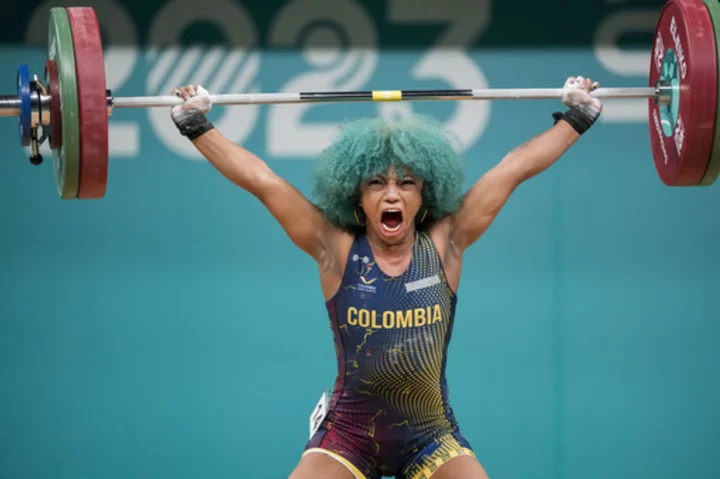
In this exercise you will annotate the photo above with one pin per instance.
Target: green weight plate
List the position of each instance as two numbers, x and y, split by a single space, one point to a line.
713 168
66 160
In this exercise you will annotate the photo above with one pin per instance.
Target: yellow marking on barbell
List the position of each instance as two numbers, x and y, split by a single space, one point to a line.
387 95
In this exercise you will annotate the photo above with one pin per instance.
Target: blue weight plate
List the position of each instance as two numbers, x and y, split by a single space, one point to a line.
23 93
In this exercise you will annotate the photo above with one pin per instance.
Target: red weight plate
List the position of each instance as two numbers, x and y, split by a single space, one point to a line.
51 77
92 101
682 133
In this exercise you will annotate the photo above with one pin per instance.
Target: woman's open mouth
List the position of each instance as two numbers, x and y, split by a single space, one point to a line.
391 220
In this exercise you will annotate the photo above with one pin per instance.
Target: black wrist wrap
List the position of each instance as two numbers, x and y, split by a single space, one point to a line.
192 123
580 117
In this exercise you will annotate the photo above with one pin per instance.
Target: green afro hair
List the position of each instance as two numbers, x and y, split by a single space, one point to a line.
370 146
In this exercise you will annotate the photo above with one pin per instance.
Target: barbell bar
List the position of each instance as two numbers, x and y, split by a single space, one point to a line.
10 105
71 104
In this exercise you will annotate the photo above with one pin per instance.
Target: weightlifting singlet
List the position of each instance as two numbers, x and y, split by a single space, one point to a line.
389 413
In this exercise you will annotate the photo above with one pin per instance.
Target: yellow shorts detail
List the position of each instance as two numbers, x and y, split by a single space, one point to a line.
354 470
427 465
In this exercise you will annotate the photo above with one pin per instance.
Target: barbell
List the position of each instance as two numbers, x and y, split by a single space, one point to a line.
70 106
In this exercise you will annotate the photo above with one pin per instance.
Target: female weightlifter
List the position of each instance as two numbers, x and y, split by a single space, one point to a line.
388 232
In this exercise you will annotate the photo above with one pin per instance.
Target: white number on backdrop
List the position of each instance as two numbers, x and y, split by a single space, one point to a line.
120 61
625 63
218 69
447 60
335 69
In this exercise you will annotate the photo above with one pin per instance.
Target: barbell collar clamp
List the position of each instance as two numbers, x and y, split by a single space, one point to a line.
39 104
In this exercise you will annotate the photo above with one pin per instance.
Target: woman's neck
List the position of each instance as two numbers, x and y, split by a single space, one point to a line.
401 248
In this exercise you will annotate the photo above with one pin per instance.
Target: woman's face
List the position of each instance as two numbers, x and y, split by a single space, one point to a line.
391 204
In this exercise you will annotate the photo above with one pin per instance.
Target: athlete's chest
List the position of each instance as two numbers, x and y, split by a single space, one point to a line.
378 312
371 298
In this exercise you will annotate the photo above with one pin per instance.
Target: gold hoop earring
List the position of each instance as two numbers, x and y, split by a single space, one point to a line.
425 212
355 214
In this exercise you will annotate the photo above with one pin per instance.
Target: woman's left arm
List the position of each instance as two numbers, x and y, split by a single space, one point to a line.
483 202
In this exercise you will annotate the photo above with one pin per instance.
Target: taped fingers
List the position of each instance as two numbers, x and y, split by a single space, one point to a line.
586 83
181 92
186 92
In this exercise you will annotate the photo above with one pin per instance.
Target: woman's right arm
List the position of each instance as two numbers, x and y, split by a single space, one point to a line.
303 222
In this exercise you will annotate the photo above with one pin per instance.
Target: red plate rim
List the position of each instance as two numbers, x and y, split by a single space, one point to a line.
92 102
698 94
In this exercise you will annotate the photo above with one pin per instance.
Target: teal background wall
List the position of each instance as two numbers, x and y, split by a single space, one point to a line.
172 330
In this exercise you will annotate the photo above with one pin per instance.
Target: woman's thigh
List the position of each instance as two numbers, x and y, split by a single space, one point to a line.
320 466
